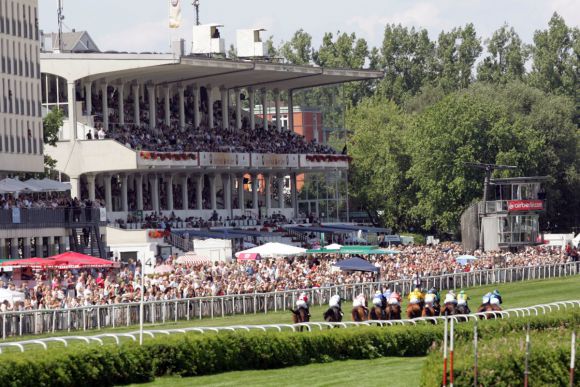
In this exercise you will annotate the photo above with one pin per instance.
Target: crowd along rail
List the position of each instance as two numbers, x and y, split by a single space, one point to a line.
117 338
42 321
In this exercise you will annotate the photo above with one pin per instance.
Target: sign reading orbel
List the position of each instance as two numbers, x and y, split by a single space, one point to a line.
525 205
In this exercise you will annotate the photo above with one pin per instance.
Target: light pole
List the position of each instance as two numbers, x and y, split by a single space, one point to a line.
142 300
196 5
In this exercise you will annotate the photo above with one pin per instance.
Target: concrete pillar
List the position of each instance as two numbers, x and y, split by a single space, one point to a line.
51 246
196 105
184 193
277 103
167 116
268 183
152 106
265 108
124 186
14 248
105 104
169 191
238 109
225 108
91 187
89 97
227 184
72 108
75 189
137 114
199 192
39 247
290 111
139 191
121 91
108 196
241 202
26 248
209 106
281 191
3 248
154 180
294 193
213 191
181 94
251 102
255 187
61 244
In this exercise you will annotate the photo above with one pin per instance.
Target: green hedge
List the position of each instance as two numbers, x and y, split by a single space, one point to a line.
501 361
195 354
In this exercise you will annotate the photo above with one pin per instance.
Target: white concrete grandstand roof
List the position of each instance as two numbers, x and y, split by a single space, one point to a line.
166 69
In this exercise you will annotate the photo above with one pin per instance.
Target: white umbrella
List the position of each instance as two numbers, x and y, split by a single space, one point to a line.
192 258
273 249
334 246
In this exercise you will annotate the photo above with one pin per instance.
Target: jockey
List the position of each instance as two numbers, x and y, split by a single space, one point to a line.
334 301
379 299
495 298
462 298
387 293
416 296
394 299
450 298
360 301
486 298
302 302
432 297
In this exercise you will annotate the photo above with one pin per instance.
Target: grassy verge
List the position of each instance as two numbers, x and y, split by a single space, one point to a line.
387 371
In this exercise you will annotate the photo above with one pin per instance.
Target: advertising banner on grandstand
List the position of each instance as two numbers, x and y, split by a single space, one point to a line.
174 13
222 159
274 160
16 215
525 205
102 214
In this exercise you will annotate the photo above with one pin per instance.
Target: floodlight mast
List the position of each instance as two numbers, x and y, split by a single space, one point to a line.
60 19
488 168
195 3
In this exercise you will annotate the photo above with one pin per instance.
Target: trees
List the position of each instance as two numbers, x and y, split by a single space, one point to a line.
51 124
298 50
506 57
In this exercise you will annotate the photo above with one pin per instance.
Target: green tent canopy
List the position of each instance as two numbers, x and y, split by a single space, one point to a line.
358 250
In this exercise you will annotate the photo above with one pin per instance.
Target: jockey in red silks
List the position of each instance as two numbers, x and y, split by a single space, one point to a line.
302 302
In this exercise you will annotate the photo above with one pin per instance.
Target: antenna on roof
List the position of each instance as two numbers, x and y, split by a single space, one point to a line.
60 19
196 5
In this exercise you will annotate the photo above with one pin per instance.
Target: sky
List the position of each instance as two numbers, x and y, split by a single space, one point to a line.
142 25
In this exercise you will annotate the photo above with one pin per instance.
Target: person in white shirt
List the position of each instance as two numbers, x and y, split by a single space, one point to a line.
101 134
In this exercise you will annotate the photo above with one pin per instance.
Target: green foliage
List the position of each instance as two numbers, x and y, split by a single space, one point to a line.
298 50
51 125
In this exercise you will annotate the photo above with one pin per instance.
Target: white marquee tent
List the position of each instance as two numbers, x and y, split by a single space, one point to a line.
273 250
32 185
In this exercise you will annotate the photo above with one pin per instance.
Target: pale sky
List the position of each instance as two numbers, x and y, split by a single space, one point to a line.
142 25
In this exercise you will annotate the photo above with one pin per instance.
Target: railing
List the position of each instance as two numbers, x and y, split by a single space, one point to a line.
49 217
179 242
534 310
157 312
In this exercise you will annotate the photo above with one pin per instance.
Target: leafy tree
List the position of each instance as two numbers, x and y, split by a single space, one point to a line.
456 54
270 48
506 57
556 55
298 50
407 57
51 124
378 173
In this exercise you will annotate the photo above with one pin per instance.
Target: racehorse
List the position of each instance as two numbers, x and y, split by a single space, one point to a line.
489 308
377 313
359 314
333 315
448 309
414 311
300 316
429 311
393 312
462 310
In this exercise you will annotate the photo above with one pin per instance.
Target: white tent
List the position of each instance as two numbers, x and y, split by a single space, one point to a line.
47 185
273 249
12 185
334 246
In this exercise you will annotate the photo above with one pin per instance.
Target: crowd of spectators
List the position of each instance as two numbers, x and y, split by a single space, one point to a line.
68 289
45 201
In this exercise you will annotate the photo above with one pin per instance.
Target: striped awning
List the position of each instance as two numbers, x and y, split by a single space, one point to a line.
192 258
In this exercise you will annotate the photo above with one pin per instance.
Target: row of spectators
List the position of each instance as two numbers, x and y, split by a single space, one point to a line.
45 201
90 287
172 139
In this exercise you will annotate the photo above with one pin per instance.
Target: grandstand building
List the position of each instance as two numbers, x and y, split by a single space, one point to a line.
21 139
177 135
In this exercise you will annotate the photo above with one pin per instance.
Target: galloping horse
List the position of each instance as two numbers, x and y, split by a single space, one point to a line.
414 311
377 313
333 315
489 308
429 311
393 312
462 310
300 316
448 309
